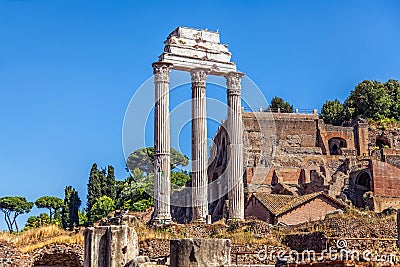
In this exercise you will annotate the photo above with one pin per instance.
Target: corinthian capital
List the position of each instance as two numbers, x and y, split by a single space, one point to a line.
161 71
233 82
199 76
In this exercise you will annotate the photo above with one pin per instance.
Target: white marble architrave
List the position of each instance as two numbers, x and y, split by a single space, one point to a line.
162 180
199 146
235 148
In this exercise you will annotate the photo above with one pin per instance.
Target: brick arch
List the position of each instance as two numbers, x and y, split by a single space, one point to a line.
335 145
58 255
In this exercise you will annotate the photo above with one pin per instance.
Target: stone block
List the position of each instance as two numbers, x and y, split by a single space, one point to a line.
189 252
110 246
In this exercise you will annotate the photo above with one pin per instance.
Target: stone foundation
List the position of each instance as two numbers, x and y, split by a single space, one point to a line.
190 252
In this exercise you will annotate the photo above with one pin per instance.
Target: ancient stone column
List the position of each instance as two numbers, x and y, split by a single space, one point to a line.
199 146
235 148
162 180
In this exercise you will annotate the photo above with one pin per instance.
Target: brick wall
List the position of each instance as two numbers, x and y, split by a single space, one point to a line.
313 210
393 160
386 179
257 210
381 203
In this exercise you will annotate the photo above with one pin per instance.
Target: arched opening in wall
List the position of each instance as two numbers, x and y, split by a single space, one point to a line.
336 144
215 176
382 142
364 180
58 259
222 153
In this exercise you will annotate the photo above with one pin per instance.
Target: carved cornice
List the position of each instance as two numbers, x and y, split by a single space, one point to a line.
233 80
161 71
199 77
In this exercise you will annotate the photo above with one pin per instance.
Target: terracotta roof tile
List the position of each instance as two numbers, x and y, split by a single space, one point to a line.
279 204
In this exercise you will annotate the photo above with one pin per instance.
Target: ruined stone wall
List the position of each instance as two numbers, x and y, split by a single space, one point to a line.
393 160
380 137
367 228
70 255
381 203
291 154
58 255
296 130
386 179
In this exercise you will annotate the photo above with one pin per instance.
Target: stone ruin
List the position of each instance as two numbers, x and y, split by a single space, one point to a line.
116 245
189 252
200 53
111 245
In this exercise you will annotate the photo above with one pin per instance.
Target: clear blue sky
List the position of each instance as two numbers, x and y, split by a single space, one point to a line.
68 70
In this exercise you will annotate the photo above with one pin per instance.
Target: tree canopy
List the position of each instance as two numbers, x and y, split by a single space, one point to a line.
283 106
135 192
51 203
103 206
332 112
12 207
143 159
370 100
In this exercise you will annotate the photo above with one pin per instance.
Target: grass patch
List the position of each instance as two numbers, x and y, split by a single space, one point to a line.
32 239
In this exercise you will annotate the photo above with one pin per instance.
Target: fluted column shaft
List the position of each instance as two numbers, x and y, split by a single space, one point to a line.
162 180
235 148
199 146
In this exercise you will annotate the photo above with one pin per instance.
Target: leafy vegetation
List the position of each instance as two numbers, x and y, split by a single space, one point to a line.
370 100
53 204
333 112
143 159
103 206
283 106
135 192
12 207
37 221
101 183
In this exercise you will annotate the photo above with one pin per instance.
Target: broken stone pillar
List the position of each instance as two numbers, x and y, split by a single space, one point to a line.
398 228
199 146
189 252
110 246
162 181
235 148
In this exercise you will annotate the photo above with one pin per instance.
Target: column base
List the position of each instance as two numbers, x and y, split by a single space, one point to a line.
200 221
161 221
230 220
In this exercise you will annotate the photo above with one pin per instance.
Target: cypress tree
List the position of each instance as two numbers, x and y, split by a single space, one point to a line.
94 187
69 214
109 188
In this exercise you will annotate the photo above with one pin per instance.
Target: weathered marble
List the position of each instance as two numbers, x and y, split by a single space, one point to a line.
188 49
162 180
398 228
235 148
199 146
